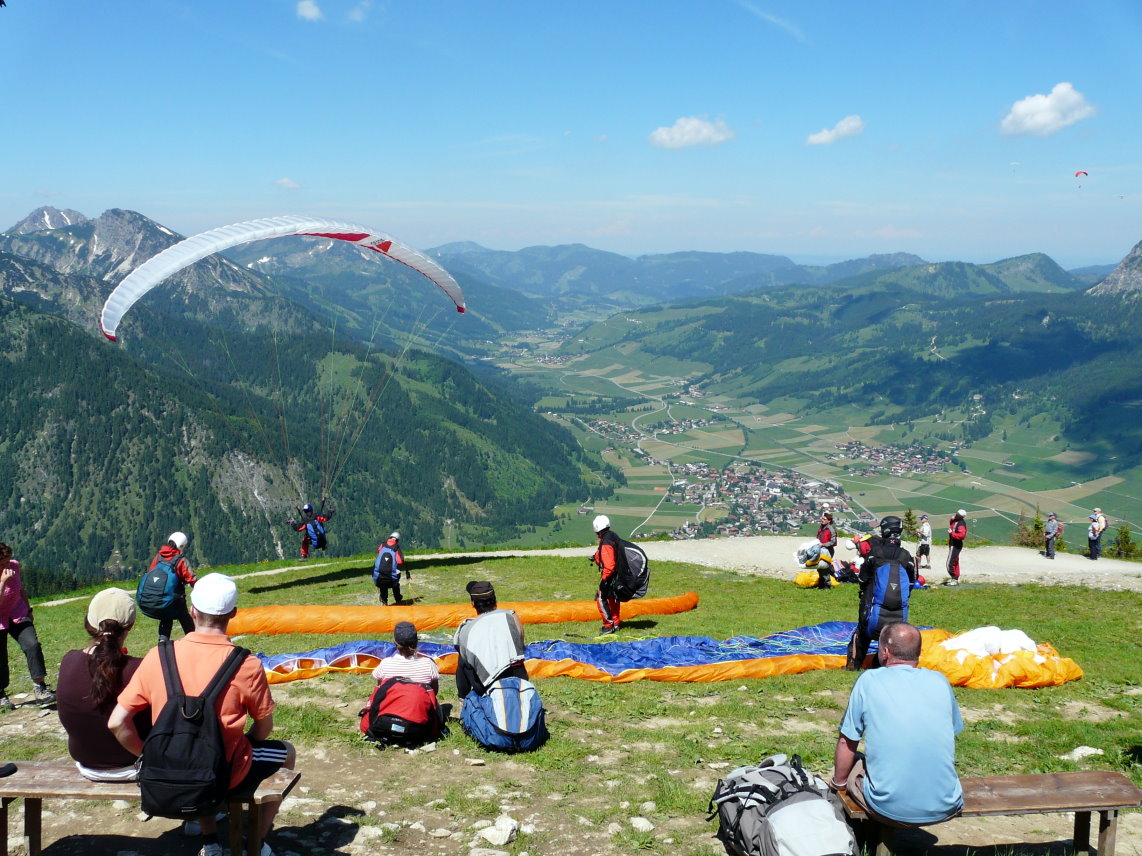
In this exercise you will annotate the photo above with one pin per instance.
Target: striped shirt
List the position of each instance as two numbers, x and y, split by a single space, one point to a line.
419 668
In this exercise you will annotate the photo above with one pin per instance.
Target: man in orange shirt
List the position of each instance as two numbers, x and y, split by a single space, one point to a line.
199 655
606 558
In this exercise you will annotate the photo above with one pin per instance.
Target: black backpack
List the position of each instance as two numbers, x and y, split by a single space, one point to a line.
185 772
632 571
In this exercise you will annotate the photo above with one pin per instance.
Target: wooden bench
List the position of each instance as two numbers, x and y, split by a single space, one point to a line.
35 781
1083 793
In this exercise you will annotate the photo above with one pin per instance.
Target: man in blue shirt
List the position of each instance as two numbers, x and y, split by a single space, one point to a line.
909 720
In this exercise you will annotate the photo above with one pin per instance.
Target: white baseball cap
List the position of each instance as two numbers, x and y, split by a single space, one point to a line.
214 594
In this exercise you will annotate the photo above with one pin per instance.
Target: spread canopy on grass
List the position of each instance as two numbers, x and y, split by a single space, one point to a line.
700 658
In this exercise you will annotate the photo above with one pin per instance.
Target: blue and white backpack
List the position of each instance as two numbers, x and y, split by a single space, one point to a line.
509 717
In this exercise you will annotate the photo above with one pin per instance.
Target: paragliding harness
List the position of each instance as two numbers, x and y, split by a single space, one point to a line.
885 586
385 569
184 772
777 808
509 717
160 588
315 529
632 571
401 712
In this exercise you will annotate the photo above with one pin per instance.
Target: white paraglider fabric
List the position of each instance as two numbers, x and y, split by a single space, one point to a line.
185 253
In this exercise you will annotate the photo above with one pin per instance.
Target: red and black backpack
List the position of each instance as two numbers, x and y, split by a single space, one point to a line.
402 713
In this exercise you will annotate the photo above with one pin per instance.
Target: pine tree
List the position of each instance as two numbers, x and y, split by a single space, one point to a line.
910 523
1123 546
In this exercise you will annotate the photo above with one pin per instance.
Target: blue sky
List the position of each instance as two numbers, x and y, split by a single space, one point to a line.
819 130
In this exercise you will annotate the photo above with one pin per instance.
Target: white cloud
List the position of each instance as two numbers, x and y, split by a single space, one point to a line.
772 19
308 10
1043 115
691 131
361 11
849 126
287 183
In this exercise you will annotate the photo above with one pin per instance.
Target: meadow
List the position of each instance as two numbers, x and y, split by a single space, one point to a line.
617 748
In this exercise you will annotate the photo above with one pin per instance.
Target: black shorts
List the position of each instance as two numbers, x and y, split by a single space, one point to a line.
269 757
923 550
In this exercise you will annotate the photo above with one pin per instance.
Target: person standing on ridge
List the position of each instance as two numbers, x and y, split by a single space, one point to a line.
173 604
1100 519
1092 536
607 558
924 543
957 532
1051 530
387 568
312 526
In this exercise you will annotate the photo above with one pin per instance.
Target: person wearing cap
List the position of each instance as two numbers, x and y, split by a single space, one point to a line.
199 655
1051 530
172 553
386 570
407 662
606 558
924 543
1092 536
957 532
89 682
16 621
489 646
1100 519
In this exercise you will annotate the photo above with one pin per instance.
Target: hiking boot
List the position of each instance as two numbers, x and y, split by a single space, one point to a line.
44 695
6 703
607 629
951 582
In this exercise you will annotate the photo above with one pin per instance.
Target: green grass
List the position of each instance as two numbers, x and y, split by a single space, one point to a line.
655 741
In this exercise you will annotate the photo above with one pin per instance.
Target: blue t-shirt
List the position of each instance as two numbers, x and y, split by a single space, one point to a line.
909 720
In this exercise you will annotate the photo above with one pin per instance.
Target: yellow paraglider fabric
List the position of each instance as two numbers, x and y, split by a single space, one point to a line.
1042 667
273 620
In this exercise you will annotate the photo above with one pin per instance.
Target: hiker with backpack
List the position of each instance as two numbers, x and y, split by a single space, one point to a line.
403 709
489 646
387 569
957 532
16 621
886 577
161 593
311 525
909 719
199 751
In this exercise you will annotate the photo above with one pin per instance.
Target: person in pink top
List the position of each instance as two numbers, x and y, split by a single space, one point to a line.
16 621
407 662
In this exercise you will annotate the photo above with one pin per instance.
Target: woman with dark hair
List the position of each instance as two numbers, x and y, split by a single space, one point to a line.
16 621
89 683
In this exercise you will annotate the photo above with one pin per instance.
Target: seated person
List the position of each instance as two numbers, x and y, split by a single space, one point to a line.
89 682
490 646
909 720
407 662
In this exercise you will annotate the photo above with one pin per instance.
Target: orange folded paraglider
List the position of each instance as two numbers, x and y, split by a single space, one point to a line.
272 620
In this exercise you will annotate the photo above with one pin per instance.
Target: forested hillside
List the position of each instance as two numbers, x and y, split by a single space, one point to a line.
226 406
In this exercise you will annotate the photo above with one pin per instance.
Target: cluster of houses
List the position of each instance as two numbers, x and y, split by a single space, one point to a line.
895 460
758 501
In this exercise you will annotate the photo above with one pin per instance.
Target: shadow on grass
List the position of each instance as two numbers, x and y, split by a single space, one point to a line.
335 829
366 571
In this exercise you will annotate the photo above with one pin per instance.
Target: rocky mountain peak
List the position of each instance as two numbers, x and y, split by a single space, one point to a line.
45 218
1126 278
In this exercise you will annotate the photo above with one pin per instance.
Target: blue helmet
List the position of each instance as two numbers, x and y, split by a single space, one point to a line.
307 508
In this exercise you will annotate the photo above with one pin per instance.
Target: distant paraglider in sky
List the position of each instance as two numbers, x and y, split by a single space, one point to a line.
1081 172
185 253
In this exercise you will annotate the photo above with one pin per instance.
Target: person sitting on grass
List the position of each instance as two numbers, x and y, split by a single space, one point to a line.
489 646
407 662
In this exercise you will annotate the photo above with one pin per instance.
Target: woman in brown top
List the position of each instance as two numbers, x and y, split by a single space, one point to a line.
89 682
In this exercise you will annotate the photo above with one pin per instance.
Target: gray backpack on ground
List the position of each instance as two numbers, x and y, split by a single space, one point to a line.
779 809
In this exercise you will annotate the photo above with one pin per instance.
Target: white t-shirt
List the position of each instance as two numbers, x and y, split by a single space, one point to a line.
419 668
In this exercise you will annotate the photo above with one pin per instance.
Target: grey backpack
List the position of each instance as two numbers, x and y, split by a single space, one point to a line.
779 809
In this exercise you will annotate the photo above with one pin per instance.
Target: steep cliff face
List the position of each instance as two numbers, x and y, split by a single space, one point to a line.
1126 279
